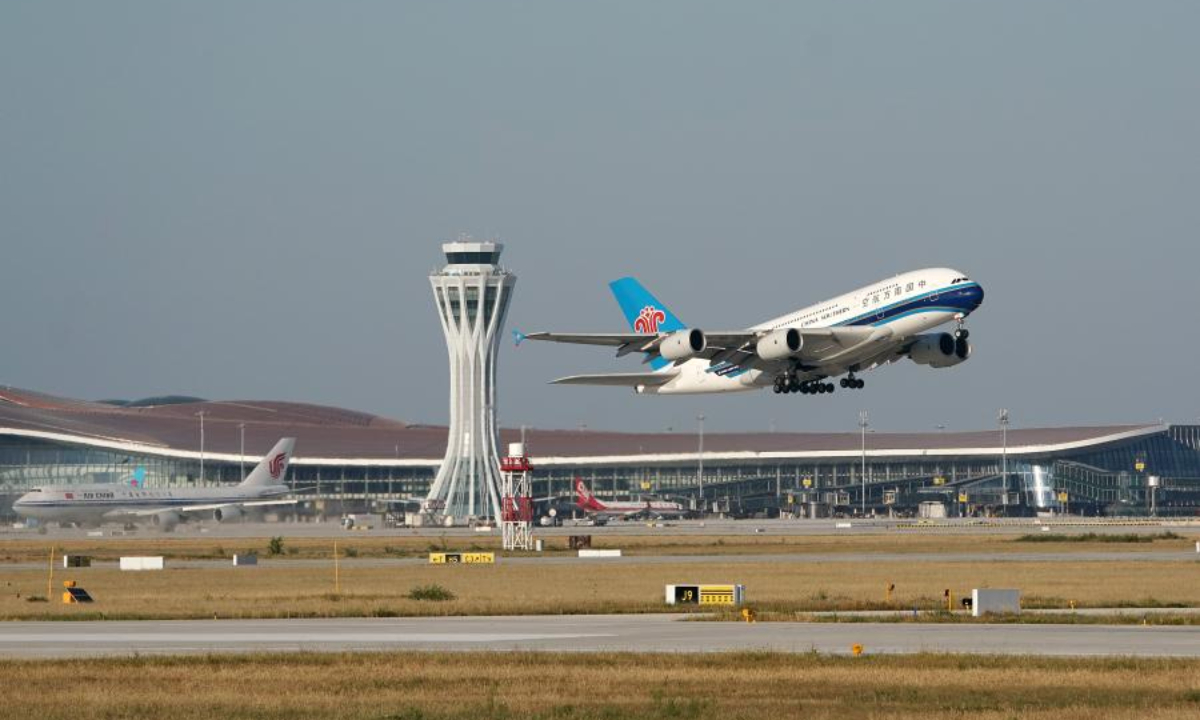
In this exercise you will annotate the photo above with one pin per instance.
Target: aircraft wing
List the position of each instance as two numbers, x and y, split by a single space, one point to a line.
821 346
185 509
618 379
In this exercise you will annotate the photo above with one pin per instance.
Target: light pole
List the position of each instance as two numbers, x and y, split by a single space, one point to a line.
1004 454
242 454
700 461
863 424
201 414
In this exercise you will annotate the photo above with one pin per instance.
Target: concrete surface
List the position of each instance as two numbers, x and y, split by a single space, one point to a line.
634 633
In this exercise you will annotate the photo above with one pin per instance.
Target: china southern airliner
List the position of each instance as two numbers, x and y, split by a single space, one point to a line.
796 353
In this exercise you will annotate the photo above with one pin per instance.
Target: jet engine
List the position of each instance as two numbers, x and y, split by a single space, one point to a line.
940 350
683 344
225 514
166 520
779 344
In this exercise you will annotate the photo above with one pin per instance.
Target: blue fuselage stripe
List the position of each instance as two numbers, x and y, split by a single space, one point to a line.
954 299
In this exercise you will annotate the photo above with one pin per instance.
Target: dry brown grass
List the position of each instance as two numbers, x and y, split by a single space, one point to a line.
368 546
482 686
536 588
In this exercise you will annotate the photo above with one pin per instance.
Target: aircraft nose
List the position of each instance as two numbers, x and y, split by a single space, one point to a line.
977 298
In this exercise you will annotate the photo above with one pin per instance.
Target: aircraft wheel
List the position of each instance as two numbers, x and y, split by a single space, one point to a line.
844 383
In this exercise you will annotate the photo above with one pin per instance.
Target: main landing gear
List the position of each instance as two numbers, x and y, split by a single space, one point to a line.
852 383
791 384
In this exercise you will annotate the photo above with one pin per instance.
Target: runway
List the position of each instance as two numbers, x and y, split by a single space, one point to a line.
629 633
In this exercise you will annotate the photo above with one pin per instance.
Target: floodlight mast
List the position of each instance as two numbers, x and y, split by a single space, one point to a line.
863 424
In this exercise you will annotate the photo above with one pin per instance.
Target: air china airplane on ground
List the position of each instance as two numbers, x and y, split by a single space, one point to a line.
110 502
872 326
643 508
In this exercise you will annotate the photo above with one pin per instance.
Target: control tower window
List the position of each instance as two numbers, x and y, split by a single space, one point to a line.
471 258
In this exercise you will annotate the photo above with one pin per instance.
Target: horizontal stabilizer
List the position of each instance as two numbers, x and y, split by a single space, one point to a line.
609 339
618 379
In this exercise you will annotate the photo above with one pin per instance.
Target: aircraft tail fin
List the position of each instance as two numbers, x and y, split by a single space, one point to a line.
586 501
644 313
272 469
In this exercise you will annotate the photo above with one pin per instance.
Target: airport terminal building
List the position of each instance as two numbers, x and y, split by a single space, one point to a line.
349 461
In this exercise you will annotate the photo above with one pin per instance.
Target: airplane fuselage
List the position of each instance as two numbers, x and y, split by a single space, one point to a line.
94 504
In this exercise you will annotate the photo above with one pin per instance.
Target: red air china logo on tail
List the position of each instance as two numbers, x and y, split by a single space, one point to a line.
647 321
277 464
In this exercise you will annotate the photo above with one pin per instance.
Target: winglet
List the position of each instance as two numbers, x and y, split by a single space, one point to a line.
518 336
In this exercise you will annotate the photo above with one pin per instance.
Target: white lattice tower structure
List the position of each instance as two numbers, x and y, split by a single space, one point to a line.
472 293
516 501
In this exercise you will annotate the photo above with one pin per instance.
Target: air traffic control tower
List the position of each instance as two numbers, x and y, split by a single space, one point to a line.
472 293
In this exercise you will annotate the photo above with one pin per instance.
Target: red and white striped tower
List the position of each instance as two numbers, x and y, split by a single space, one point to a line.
516 499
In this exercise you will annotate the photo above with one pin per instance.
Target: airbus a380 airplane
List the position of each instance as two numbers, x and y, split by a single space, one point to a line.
799 352
110 502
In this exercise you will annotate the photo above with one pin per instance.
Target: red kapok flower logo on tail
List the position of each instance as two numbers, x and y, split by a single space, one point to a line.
647 321
276 466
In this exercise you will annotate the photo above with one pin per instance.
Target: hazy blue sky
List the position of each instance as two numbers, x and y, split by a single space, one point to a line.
243 199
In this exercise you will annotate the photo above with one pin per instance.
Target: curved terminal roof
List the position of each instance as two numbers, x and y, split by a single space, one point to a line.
331 436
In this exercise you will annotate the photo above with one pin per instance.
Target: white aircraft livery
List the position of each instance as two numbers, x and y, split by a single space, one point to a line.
165 507
795 353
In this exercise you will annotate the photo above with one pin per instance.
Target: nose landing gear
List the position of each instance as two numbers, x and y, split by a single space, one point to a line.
960 329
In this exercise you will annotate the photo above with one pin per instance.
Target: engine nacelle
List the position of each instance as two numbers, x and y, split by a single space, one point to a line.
167 519
940 350
225 514
779 344
683 344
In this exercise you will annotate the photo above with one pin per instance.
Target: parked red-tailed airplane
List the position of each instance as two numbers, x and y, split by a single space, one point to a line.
631 509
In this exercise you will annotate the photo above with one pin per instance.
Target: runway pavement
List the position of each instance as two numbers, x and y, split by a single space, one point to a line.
633 633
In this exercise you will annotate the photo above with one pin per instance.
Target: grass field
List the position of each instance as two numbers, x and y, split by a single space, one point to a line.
476 686
309 591
365 545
